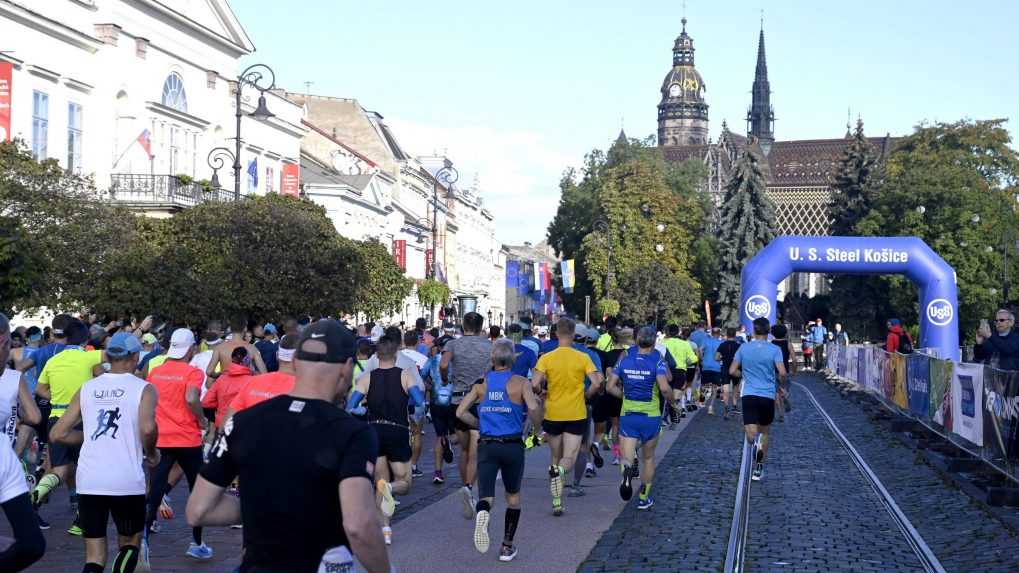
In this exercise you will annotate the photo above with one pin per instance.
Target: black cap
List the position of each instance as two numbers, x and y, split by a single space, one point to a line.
76 332
340 343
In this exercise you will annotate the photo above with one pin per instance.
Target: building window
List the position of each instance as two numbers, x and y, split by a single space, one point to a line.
40 124
173 93
174 151
74 126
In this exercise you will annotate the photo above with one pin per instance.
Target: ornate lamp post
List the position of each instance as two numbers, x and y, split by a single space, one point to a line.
262 78
448 176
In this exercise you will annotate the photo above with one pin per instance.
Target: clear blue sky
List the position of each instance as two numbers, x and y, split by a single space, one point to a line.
515 92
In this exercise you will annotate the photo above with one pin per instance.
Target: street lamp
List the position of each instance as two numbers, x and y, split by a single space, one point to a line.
217 158
448 176
256 76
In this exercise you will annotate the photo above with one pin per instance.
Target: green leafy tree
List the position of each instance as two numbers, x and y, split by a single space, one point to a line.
20 265
655 294
954 186
381 285
747 225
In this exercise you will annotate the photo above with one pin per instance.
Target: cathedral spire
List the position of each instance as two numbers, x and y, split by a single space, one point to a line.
761 116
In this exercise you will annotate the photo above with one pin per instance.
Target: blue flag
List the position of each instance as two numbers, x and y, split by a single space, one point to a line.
253 173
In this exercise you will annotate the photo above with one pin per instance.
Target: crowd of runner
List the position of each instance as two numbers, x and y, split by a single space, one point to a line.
120 413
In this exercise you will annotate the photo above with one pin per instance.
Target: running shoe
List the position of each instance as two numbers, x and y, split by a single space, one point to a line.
387 504
447 451
598 460
615 460
155 528
75 528
555 480
507 553
758 472
387 535
43 524
557 506
576 491
481 531
415 472
682 414
606 441
201 552
467 502
645 502
625 487
589 471
438 478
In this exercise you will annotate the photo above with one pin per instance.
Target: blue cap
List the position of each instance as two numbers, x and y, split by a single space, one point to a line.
123 344
269 327
894 322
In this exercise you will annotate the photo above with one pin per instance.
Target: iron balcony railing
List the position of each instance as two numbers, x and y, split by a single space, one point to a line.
142 189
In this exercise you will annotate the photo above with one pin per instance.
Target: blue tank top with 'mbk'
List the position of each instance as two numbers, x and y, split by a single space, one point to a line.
498 416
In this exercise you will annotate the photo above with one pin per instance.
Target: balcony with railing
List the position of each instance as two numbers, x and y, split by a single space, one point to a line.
162 191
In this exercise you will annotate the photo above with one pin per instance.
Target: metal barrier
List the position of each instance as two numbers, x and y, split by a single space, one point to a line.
974 406
736 550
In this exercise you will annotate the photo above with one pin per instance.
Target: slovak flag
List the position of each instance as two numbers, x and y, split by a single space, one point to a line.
145 140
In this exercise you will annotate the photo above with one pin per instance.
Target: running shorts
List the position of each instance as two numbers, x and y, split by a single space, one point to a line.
606 406
556 428
643 428
691 374
443 419
60 454
678 379
496 457
710 377
94 510
758 410
394 442
42 429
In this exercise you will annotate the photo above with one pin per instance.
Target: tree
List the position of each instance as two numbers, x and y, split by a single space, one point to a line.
964 175
747 225
381 286
655 294
20 265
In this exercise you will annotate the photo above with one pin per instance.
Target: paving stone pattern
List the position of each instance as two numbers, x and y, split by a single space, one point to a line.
814 511
963 535
688 528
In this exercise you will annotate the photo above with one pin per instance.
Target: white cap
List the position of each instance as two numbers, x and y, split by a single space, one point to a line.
181 341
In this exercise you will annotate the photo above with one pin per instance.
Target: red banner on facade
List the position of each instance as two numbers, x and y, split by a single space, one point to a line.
400 253
6 77
429 257
290 183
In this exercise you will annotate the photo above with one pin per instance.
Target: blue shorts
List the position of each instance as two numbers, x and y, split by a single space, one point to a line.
643 428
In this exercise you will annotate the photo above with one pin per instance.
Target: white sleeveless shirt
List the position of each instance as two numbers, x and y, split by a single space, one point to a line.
10 381
12 477
111 460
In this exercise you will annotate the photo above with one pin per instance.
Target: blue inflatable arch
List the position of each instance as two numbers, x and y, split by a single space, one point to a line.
909 256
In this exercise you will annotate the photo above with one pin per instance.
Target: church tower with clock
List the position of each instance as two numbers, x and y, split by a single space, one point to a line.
683 113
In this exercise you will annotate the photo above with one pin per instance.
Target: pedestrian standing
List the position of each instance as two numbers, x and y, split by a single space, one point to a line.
1000 347
818 338
505 400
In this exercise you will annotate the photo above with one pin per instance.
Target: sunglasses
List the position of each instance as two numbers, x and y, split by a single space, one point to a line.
1002 319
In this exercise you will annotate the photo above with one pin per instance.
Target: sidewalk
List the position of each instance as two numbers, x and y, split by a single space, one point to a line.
439 539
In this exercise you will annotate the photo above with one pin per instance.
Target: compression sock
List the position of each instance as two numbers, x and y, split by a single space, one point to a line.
73 499
483 505
196 534
126 560
93 568
689 394
512 519
48 483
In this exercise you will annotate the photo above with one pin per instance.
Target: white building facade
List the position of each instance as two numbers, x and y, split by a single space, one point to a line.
137 92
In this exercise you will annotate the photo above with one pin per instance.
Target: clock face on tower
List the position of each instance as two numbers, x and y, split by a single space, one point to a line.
674 90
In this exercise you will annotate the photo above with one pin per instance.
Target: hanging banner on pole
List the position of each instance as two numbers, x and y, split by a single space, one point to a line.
290 180
569 276
6 79
537 276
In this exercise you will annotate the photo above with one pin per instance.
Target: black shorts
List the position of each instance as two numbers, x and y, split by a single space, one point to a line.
678 379
458 424
60 454
606 406
758 410
443 419
495 457
42 429
575 427
710 377
394 442
691 373
94 511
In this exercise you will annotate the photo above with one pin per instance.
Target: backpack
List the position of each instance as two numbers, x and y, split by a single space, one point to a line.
905 344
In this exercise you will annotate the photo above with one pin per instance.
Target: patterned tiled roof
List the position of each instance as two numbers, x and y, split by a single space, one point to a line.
812 161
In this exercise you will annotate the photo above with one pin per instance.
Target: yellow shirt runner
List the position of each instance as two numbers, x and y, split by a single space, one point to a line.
565 369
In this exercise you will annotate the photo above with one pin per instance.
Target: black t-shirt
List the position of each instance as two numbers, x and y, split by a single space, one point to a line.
728 350
611 358
291 455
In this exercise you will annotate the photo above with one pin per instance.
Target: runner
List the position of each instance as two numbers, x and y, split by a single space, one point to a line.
387 392
561 374
409 350
504 400
779 334
221 357
267 386
606 341
758 360
469 357
62 376
606 408
223 390
526 358
711 368
585 339
118 414
181 422
637 380
442 411
683 373
299 438
267 347
730 383
29 544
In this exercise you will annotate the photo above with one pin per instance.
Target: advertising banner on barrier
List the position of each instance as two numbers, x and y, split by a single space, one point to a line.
941 392
861 366
918 384
899 394
967 394
1001 414
876 365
